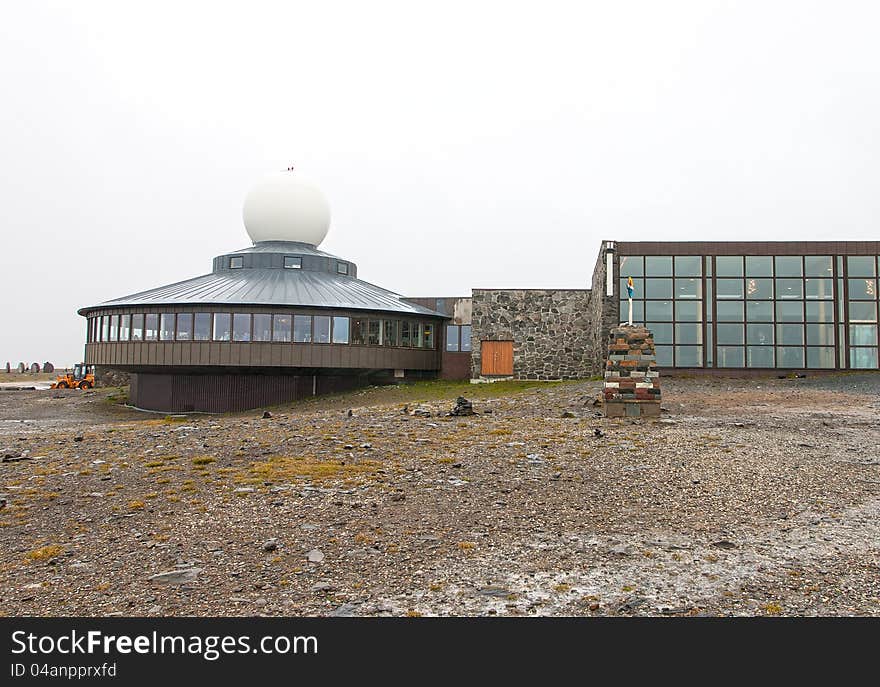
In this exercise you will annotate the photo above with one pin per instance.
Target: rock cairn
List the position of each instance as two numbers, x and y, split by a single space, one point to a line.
632 382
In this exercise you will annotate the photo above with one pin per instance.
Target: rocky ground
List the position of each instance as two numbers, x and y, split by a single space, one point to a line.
756 497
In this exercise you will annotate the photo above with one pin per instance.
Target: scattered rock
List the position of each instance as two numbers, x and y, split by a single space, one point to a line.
267 415
598 433
78 437
723 544
270 545
181 576
315 556
462 407
398 497
323 587
568 414
346 610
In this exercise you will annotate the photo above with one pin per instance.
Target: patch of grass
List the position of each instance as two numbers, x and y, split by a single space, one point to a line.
44 553
136 505
466 546
772 608
291 469
562 587
203 460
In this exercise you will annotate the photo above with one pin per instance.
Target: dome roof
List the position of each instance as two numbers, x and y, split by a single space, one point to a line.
285 207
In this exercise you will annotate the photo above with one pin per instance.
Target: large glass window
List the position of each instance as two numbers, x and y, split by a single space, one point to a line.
689 311
114 328
729 334
759 266
789 356
292 262
759 334
820 312
729 288
789 266
790 334
731 356
151 327
689 288
688 266
819 289
658 266
662 332
202 326
418 334
302 328
262 327
452 335
863 289
184 326
759 311
861 266
125 328
241 327
862 311
374 333
405 337
631 266
656 288
761 356
664 356
728 266
820 334
863 358
428 341
389 333
688 356
789 311
358 331
137 327
465 337
758 289
818 266
282 326
689 333
166 327
862 335
222 326
340 330
105 334
729 311
658 310
322 328
820 357
789 289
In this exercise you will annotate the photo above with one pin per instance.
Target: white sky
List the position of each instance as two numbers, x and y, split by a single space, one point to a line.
471 144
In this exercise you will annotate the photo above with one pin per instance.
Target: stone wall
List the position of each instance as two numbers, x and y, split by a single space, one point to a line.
552 331
604 309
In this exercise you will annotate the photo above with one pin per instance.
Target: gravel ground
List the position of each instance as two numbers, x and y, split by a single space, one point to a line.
748 497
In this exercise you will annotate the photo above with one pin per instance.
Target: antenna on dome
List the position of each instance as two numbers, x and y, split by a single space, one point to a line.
290 169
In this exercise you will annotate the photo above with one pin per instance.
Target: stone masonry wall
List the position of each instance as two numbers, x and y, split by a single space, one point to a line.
603 310
552 331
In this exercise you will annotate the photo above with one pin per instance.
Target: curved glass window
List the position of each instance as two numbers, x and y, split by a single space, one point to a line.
137 327
151 327
789 266
729 288
729 311
759 266
222 326
862 289
241 327
302 329
688 266
202 326
262 327
322 328
657 288
759 334
729 334
689 311
340 330
731 356
818 266
861 266
631 266
658 265
184 326
758 289
282 327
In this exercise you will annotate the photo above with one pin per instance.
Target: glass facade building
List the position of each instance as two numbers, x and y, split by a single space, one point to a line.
740 305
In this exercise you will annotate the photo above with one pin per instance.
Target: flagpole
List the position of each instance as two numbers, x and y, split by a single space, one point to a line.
630 311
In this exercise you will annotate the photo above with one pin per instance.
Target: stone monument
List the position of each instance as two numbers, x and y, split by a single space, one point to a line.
632 382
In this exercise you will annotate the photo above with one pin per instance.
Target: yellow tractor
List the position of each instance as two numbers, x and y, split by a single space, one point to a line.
83 377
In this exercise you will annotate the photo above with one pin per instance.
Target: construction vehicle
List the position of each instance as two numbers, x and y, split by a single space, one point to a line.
82 377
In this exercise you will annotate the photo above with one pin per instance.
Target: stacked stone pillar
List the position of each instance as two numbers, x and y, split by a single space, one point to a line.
632 382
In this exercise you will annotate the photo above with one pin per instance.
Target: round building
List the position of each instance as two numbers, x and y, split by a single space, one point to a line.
274 322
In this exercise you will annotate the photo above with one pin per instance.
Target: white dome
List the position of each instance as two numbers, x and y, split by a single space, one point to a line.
284 207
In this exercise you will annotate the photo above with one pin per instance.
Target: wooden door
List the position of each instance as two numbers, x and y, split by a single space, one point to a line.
496 358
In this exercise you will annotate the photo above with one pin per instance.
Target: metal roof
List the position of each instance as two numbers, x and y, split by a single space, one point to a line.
274 287
291 247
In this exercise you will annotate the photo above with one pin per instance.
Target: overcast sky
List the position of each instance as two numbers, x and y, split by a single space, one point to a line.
461 145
